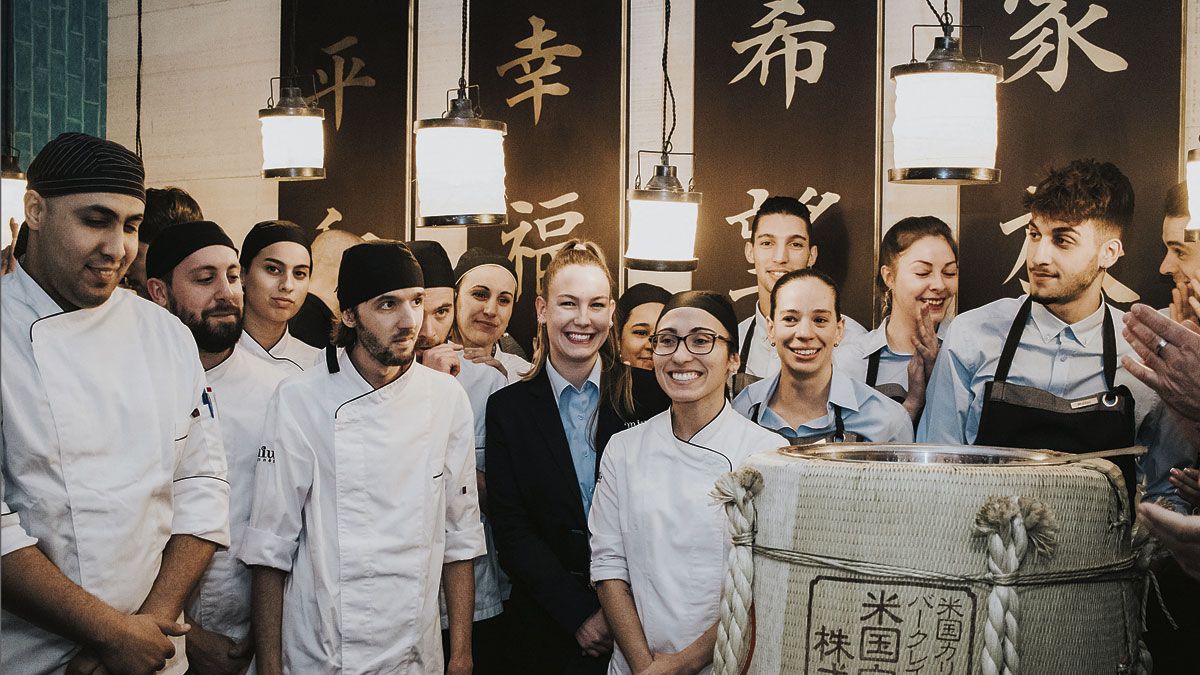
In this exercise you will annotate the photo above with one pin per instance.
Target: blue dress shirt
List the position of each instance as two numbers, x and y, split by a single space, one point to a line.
577 410
852 354
1063 359
865 411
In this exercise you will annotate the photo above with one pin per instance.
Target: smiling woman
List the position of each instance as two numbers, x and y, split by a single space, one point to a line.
652 506
809 400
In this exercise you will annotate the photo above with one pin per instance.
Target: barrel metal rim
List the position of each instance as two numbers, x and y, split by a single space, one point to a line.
910 453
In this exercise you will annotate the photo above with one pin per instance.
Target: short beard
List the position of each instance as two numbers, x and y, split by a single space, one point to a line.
212 339
380 351
1075 287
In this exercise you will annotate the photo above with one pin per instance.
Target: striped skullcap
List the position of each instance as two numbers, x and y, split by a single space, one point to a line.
75 163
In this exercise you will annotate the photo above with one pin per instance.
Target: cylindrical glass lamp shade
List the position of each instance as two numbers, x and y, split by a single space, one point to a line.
460 172
293 142
662 230
12 204
945 131
1191 233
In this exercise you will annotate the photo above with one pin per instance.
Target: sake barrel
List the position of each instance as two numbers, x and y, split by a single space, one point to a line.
867 558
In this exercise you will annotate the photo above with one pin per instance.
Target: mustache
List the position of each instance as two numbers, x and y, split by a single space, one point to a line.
224 308
423 342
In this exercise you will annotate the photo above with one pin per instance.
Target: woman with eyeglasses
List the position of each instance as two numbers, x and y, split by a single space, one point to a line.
659 542
811 401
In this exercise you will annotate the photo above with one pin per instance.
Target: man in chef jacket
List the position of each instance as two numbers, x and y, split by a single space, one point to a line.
193 271
364 494
114 488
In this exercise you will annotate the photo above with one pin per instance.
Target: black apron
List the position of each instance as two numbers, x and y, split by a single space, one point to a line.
1016 416
838 435
891 390
742 379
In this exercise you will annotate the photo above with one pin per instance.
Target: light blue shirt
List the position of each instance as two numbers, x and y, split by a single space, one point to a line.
852 354
865 411
1066 360
577 410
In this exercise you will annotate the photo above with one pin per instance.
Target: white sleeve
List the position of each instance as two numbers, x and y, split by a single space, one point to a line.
283 478
13 535
464 530
201 487
604 519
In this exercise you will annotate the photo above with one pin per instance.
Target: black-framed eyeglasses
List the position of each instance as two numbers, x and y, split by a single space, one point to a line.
665 344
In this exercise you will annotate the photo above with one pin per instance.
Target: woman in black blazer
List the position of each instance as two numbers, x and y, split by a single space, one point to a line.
545 435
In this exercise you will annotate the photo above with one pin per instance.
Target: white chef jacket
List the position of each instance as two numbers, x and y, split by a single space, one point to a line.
109 449
491 584
242 387
290 352
362 494
654 525
762 360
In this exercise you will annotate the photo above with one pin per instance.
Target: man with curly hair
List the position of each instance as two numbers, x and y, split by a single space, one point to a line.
1044 370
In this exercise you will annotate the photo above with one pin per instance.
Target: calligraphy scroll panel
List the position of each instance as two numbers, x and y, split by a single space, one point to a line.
357 52
1084 79
552 71
785 105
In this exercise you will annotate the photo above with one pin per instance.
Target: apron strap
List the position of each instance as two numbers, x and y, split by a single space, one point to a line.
1013 340
873 367
745 351
1110 347
331 360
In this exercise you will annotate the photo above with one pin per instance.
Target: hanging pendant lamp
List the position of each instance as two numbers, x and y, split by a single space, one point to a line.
945 130
293 136
12 194
12 179
293 129
459 160
663 215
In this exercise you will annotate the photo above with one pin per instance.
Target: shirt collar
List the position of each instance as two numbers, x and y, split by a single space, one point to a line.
559 384
876 340
760 325
841 391
41 302
1050 327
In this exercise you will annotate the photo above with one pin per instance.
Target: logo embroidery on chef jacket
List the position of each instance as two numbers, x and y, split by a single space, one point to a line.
265 454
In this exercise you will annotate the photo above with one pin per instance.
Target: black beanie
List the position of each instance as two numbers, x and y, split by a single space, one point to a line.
374 268
177 242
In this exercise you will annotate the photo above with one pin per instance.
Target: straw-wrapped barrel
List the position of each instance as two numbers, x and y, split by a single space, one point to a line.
920 559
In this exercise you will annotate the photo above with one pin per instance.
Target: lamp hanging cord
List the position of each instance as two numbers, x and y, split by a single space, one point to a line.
945 20
462 73
137 132
668 90
295 71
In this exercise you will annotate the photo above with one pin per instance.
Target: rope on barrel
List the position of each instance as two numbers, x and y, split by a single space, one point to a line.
1013 528
736 491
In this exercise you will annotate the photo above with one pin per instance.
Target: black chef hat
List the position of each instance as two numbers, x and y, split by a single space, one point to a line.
270 232
435 263
75 163
177 242
714 303
478 257
374 268
637 295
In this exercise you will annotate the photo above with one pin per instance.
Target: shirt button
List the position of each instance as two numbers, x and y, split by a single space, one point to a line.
1063 358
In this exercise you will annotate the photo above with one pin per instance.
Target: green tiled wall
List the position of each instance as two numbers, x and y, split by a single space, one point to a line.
60 70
